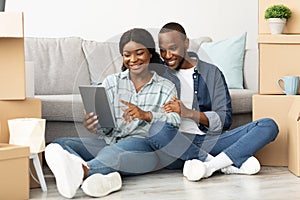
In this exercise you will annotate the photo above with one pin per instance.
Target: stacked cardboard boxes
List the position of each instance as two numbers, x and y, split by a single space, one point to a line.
278 57
14 104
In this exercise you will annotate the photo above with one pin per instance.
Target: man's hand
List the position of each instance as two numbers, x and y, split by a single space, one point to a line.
177 106
90 122
132 112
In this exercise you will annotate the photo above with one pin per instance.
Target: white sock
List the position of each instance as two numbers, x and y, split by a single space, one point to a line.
249 167
208 158
217 163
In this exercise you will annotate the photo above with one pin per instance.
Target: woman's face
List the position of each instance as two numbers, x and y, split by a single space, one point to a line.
136 57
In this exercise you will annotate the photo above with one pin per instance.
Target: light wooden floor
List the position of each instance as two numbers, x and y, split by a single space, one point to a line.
270 183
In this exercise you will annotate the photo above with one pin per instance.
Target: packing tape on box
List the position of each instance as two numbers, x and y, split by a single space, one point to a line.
28 132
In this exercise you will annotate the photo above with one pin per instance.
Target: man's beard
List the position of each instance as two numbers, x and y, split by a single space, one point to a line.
181 62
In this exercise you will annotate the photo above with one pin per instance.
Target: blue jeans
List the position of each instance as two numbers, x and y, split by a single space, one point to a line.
238 144
130 156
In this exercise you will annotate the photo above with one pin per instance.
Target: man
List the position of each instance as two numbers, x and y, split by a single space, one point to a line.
205 109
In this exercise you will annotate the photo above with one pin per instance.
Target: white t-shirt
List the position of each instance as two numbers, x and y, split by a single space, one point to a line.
186 96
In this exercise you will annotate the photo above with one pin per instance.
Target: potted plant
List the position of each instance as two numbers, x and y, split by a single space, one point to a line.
277 16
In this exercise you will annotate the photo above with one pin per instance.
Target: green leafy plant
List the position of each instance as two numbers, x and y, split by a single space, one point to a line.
278 11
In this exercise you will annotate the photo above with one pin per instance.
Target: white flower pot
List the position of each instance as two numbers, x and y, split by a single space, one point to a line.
276 25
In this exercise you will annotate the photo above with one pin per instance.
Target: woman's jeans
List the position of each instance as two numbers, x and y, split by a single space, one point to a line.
130 156
238 144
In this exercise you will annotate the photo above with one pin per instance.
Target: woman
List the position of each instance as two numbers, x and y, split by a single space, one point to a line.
137 95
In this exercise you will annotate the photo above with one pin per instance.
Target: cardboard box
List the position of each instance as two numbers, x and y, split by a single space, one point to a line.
278 57
12 65
29 76
276 107
30 107
14 181
294 138
293 24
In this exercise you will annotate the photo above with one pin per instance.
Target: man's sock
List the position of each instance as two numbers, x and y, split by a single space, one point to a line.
249 167
217 163
195 169
208 158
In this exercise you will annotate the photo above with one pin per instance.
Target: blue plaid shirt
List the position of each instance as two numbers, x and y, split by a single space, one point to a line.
211 94
151 97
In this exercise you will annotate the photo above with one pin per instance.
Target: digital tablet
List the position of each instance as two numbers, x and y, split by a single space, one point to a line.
95 99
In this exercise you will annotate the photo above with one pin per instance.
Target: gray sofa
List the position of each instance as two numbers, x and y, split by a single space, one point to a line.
62 64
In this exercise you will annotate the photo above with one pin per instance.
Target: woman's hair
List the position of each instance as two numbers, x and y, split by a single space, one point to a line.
143 37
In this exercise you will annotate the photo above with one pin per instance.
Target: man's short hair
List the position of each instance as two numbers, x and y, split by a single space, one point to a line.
173 26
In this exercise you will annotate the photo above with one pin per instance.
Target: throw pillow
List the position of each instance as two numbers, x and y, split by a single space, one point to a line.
228 56
59 64
103 59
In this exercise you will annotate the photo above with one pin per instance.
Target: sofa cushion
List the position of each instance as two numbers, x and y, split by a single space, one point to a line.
59 64
241 100
228 56
62 107
103 59
70 107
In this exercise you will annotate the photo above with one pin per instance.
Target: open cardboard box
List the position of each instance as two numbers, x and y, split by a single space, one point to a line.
294 138
276 107
14 165
285 110
12 65
28 108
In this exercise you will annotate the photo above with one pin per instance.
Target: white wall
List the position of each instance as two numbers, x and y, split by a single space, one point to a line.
100 20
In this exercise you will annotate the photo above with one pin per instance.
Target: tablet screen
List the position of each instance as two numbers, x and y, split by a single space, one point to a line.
95 99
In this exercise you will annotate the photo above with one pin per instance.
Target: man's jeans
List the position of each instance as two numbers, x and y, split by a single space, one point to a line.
238 144
130 156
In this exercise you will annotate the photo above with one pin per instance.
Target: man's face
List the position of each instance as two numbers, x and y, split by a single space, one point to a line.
173 48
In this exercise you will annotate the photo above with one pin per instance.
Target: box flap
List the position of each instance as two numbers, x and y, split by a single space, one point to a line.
10 151
11 24
294 112
294 137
